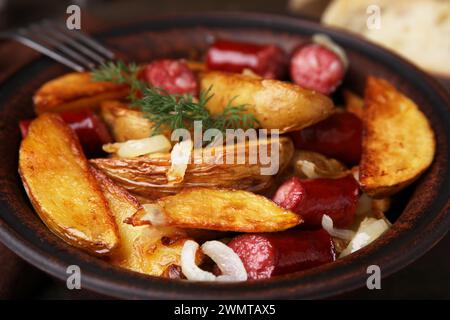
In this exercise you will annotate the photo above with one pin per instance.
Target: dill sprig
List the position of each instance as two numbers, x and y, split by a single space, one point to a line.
121 73
173 110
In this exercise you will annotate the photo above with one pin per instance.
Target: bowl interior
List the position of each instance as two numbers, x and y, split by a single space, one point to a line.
422 209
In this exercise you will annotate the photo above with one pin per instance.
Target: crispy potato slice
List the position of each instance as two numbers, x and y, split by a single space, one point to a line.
146 249
124 123
275 104
75 91
56 176
398 142
146 176
218 209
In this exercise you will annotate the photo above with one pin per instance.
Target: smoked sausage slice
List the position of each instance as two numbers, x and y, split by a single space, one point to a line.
316 67
268 61
269 254
312 198
339 136
173 76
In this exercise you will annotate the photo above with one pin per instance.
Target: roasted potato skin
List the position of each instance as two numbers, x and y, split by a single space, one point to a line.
123 122
221 210
126 123
74 91
275 104
56 176
398 142
146 176
145 249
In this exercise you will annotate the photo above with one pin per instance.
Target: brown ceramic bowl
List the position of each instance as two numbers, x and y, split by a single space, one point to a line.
422 210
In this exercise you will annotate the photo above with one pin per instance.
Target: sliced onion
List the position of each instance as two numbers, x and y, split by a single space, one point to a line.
180 157
188 266
369 230
139 147
327 224
308 168
314 165
227 260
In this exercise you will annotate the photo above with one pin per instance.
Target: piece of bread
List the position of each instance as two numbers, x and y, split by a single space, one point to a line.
416 29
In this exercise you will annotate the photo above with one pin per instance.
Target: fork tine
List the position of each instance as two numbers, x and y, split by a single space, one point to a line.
43 34
71 41
22 38
86 39
96 45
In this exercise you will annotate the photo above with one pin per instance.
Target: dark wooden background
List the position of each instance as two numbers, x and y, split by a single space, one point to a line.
427 278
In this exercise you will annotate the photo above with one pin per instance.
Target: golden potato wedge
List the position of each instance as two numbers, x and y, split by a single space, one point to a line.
275 104
56 176
146 176
398 142
146 249
75 91
217 209
125 123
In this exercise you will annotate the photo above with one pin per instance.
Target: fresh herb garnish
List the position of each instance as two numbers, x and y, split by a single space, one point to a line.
173 110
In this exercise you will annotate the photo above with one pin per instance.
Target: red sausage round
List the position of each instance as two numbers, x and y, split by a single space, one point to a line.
315 67
269 254
90 129
290 194
339 136
174 76
268 61
312 198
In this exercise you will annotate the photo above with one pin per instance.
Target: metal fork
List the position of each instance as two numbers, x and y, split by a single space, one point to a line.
72 48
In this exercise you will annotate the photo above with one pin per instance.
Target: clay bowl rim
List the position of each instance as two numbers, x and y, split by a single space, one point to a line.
394 250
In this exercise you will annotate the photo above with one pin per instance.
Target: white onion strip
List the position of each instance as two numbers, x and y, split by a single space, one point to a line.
369 230
308 168
180 157
327 224
188 265
226 259
139 147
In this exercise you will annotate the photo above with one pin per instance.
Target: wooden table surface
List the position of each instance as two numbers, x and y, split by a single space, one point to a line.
428 277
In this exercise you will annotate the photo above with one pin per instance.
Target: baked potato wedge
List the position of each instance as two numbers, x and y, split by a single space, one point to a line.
217 209
124 123
62 189
146 176
75 91
146 249
275 104
398 143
